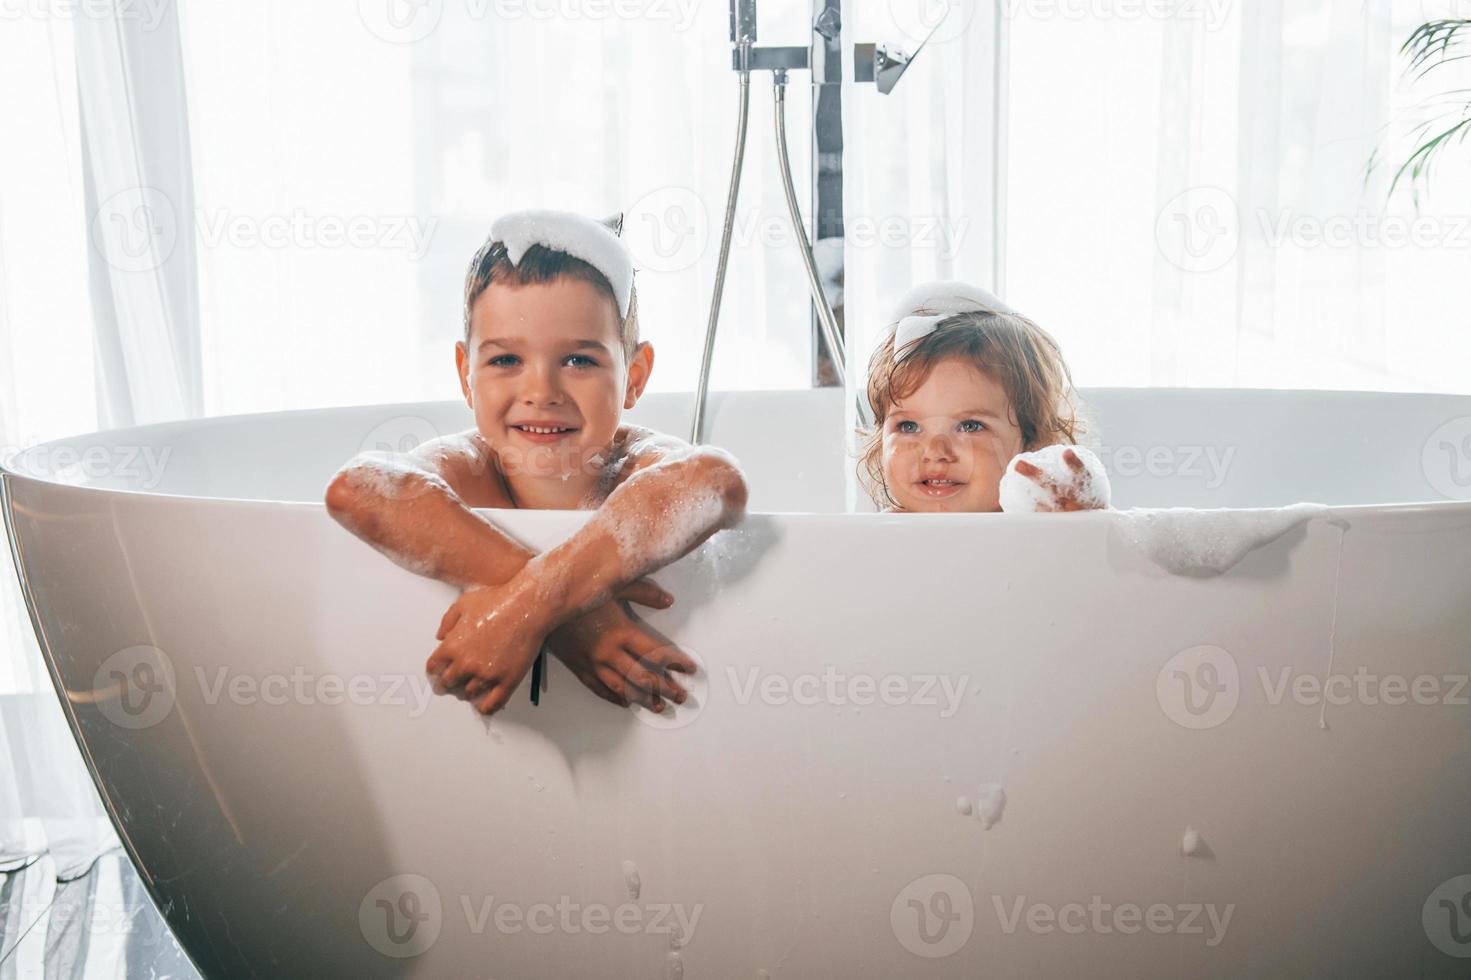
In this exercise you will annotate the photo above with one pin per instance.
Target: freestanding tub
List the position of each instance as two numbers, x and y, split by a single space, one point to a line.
949 746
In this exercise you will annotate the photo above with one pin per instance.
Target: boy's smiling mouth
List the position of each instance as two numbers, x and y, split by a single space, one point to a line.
543 432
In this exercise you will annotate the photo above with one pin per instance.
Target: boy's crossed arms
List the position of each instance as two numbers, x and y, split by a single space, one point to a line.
416 509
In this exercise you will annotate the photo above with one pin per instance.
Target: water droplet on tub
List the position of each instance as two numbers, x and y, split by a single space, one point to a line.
962 806
676 967
763 975
631 879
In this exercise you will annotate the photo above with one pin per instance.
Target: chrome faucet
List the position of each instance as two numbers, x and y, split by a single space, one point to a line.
823 56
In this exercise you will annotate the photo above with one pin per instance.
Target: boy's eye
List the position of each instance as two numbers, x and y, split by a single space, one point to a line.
581 360
972 425
504 360
907 427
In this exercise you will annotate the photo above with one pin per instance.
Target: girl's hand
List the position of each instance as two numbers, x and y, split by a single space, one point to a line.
1074 486
490 636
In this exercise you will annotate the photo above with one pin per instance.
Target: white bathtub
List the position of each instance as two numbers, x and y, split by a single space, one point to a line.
809 811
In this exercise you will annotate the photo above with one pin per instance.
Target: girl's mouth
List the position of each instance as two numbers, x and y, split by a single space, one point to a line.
940 488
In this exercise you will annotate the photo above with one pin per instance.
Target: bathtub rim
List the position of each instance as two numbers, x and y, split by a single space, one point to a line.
9 471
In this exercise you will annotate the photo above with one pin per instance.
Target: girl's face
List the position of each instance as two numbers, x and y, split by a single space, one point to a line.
947 445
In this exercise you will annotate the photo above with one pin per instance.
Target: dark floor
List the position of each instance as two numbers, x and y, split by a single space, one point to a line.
99 926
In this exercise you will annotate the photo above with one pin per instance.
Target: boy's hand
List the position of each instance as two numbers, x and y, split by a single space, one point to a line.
1073 492
490 636
618 660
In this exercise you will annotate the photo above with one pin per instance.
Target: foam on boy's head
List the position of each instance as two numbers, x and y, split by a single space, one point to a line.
580 237
527 247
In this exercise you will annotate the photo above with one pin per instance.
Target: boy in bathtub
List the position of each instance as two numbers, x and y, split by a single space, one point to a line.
550 360
974 410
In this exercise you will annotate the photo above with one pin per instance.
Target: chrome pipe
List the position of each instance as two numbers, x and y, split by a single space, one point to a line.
702 392
825 315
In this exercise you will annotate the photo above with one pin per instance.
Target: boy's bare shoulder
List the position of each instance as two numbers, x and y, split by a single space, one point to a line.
638 448
465 462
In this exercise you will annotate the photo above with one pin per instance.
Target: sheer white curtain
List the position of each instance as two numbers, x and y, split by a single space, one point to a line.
47 803
98 328
923 163
1188 202
417 124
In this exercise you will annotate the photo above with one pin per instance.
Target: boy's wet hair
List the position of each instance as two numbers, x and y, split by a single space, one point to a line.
540 264
1021 356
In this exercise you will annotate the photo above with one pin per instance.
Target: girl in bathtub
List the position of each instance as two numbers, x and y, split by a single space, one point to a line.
974 410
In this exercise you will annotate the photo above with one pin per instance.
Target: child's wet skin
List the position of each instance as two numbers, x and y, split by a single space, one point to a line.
544 373
947 445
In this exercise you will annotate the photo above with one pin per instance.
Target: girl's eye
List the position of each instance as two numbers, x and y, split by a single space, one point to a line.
504 360
580 360
972 425
907 427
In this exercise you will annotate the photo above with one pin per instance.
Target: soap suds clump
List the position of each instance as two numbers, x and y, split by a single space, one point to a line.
1190 843
990 804
1024 495
1205 543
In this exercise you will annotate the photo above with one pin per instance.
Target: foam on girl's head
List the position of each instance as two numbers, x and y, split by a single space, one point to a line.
920 311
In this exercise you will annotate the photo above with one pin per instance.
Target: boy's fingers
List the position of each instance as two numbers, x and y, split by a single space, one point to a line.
616 677
453 676
493 701
653 678
474 686
447 621
438 660
1073 461
617 685
646 593
668 660
595 685
671 658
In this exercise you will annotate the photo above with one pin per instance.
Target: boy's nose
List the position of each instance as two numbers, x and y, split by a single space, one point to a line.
541 388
